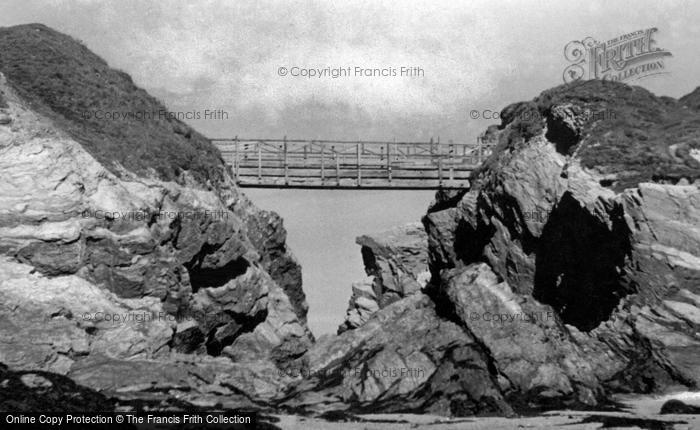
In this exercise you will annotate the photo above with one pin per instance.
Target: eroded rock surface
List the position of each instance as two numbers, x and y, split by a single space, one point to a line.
611 273
124 275
570 268
396 263
404 358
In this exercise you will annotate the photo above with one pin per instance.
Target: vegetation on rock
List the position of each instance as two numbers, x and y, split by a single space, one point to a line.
76 89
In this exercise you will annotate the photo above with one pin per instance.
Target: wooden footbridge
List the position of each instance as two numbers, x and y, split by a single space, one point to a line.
341 164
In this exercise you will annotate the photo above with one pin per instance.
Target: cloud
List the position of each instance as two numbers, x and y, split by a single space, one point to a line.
229 54
226 54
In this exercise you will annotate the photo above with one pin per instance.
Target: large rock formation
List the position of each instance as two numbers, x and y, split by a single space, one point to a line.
106 258
570 270
404 358
574 228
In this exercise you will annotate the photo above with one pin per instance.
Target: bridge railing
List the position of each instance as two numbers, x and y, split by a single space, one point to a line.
336 160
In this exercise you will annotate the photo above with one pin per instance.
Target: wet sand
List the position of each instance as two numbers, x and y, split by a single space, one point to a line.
640 412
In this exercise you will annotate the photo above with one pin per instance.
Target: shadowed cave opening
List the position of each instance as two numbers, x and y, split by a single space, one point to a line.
580 264
369 261
221 336
213 277
212 335
561 134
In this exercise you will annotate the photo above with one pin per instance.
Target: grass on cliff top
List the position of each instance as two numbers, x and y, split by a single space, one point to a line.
630 132
66 82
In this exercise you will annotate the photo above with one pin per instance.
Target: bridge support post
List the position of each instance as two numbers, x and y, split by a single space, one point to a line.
359 165
452 162
323 167
337 166
259 162
388 161
286 163
439 160
236 160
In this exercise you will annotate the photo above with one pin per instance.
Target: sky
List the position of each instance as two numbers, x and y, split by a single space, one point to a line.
476 55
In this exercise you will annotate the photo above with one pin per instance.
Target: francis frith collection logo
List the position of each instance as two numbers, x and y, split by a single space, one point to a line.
628 57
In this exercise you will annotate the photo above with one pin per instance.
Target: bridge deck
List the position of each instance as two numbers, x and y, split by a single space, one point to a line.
272 163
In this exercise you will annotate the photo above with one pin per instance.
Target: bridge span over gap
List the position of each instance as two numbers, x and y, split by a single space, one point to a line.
344 164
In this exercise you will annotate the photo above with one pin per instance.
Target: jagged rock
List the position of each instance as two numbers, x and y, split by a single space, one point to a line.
396 262
183 259
548 229
539 362
268 235
570 281
664 222
191 263
363 303
404 358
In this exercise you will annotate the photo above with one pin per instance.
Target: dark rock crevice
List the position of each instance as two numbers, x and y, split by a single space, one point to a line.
212 337
470 242
213 277
562 135
221 336
369 261
580 264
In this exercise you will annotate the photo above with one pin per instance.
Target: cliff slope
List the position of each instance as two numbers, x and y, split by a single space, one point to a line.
129 260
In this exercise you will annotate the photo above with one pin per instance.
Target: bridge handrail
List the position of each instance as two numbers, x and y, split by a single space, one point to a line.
348 142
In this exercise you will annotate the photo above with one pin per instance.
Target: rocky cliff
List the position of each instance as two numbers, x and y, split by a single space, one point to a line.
588 209
129 260
570 270
584 227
